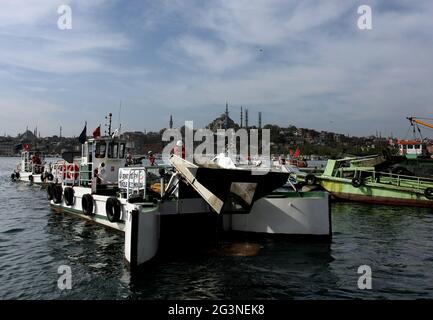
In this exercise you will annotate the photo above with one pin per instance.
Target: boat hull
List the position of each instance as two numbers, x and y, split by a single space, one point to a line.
25 177
296 215
374 193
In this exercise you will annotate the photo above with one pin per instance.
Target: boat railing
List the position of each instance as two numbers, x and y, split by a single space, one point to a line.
133 181
396 179
85 176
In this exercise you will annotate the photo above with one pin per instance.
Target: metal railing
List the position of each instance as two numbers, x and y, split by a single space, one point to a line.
135 182
395 179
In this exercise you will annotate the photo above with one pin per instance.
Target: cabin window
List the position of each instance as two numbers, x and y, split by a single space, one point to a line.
100 150
417 147
410 146
113 150
122 151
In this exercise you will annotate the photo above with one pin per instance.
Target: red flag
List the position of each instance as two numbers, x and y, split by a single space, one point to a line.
97 132
297 153
26 147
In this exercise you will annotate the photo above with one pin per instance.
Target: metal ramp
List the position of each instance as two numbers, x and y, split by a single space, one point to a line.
217 185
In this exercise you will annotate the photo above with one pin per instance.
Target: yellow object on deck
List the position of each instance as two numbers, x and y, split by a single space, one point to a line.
156 187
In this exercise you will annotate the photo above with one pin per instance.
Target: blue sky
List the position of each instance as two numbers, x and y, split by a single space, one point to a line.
299 62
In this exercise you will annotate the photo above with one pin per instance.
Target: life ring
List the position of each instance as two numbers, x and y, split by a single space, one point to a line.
57 194
87 204
428 193
49 177
68 194
50 192
113 209
357 182
73 172
310 179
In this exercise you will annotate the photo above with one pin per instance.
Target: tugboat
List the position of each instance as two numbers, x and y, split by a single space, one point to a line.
32 168
163 205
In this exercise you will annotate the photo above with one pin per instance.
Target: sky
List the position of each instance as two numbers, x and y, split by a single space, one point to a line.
303 63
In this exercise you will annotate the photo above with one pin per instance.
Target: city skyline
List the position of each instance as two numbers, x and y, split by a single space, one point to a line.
299 62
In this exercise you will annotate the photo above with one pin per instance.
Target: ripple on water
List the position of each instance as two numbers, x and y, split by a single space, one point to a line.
396 242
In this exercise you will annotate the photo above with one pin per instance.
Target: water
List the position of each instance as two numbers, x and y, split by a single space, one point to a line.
397 243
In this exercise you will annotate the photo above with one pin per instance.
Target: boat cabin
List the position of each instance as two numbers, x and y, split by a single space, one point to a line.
32 161
101 160
411 148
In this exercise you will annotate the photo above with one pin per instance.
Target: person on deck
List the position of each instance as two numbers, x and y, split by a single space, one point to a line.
152 159
37 163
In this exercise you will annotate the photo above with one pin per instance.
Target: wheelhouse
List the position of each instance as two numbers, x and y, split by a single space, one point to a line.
411 148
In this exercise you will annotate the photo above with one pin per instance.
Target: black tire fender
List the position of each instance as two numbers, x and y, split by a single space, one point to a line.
69 197
50 190
113 209
428 193
57 194
310 179
357 182
87 203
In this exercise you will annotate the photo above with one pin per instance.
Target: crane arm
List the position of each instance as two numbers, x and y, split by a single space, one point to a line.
415 120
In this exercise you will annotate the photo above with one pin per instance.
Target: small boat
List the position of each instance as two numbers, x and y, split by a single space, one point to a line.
32 168
370 179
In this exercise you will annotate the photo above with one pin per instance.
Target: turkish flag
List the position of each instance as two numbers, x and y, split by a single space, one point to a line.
97 133
297 153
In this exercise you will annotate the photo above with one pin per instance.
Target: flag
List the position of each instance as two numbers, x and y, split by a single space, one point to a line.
26 147
297 153
97 133
83 135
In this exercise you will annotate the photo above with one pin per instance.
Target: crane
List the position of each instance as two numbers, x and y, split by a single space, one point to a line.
416 120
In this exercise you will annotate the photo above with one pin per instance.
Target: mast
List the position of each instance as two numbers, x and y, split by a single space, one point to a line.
110 116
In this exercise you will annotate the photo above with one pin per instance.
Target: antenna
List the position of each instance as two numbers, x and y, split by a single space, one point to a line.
110 116
120 112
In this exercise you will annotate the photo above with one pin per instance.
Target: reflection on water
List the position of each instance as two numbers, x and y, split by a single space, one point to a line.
396 242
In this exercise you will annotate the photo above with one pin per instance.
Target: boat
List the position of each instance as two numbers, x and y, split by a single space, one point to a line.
369 179
163 205
289 210
32 168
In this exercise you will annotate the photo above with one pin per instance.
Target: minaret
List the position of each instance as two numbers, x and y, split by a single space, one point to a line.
226 122
61 131
246 118
171 122
242 117
260 120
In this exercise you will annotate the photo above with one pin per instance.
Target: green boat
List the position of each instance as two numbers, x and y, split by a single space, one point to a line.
368 179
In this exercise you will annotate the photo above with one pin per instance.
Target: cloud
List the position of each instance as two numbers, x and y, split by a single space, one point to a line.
300 62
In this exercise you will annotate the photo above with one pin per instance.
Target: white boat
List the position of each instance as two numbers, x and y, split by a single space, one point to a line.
286 211
178 202
32 168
